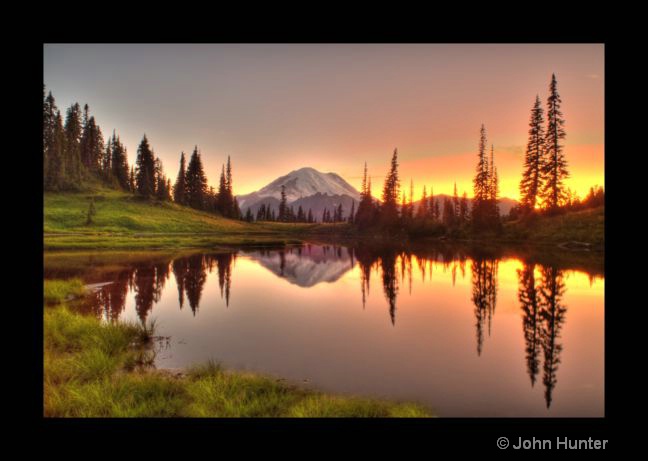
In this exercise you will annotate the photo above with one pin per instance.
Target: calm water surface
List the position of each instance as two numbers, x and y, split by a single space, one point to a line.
465 332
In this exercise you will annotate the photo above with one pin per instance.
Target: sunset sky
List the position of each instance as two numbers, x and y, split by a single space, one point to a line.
277 108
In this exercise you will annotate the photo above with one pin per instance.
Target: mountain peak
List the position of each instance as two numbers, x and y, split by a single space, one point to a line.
301 183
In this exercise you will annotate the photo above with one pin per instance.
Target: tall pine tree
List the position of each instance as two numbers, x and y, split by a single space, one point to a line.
481 185
180 187
145 169
196 182
530 185
555 165
391 192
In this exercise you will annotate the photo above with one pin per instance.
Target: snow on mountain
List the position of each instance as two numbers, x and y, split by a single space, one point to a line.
299 184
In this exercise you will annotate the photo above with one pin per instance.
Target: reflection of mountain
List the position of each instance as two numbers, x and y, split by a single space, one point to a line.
307 266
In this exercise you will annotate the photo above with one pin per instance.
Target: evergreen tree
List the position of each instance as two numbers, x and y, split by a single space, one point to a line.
493 193
301 217
365 214
236 210
531 183
455 201
222 200
448 212
261 216
422 211
107 161
53 145
162 191
340 212
554 169
131 181
283 208
463 209
90 143
248 215
233 211
196 182
391 191
180 187
481 185
119 164
73 129
145 169
310 216
434 206
437 210
352 214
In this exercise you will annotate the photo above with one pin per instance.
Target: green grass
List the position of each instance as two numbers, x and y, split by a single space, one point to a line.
586 226
125 221
96 369
57 291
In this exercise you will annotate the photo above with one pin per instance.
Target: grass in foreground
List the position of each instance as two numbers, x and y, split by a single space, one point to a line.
94 369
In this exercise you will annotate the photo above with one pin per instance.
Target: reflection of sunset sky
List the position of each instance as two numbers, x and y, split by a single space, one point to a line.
276 108
324 333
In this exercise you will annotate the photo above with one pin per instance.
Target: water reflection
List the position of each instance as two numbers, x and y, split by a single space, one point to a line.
308 265
543 318
540 288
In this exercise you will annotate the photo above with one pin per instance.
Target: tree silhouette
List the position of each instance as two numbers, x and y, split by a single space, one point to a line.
391 192
552 313
179 189
283 206
528 295
531 183
145 169
484 295
196 182
555 165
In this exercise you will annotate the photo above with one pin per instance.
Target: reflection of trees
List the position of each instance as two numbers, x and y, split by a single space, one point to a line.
543 317
365 260
529 299
148 282
553 317
194 280
484 295
191 275
390 283
109 302
224 262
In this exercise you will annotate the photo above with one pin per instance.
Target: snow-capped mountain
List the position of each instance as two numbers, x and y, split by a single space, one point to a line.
307 187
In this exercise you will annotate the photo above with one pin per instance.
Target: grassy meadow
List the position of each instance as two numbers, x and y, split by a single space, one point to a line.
125 221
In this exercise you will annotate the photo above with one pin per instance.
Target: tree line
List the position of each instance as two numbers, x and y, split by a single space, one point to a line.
75 152
287 213
542 188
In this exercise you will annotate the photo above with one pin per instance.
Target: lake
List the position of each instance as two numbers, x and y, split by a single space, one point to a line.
465 331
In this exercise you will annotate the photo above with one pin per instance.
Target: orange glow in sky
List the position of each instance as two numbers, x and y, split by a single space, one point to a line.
276 108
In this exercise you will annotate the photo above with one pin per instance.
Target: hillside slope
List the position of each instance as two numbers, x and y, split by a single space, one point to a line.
125 213
124 221
586 226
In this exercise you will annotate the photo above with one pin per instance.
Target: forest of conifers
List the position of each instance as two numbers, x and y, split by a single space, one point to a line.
75 152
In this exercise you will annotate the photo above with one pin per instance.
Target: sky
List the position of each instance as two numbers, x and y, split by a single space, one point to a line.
275 108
